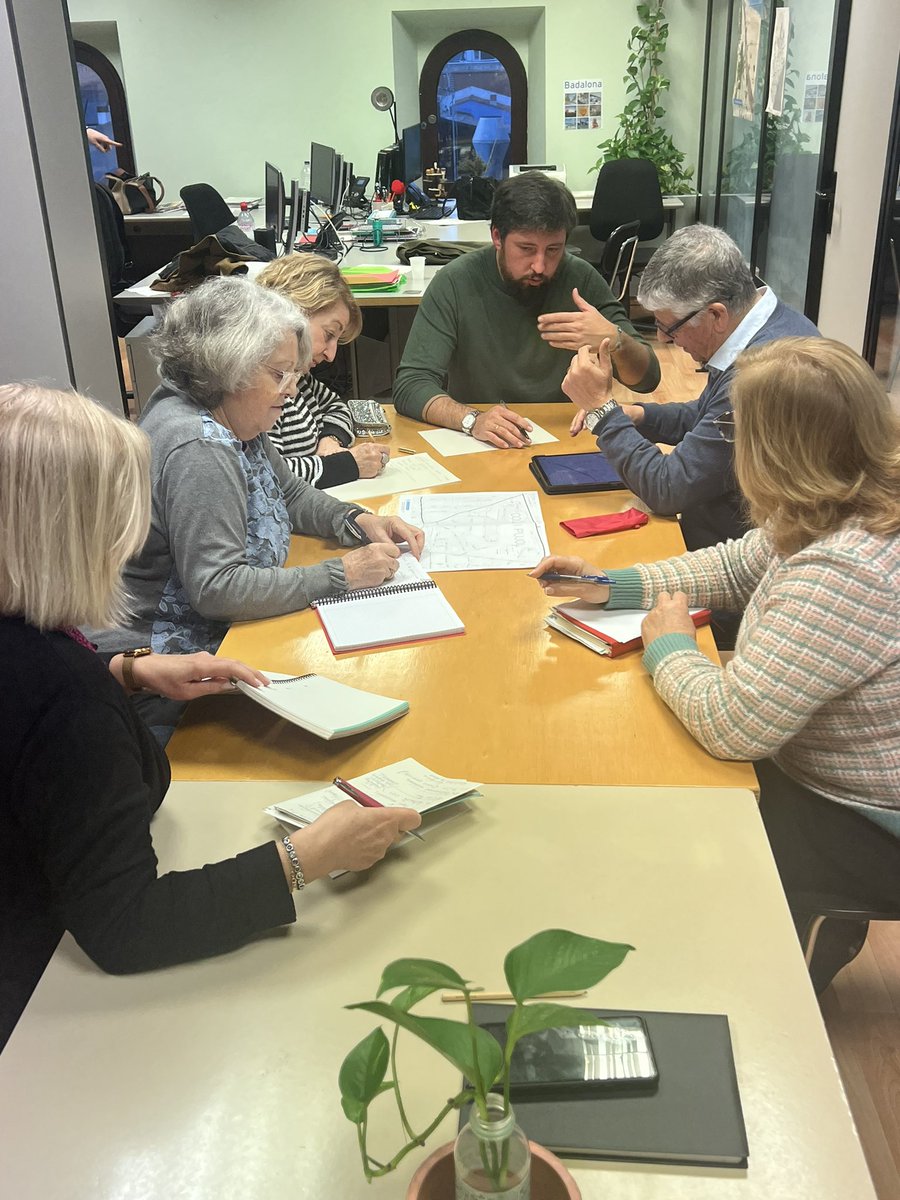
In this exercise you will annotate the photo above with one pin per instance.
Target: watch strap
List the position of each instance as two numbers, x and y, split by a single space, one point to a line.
128 657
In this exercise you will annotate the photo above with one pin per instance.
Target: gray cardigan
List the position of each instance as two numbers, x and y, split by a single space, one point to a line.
195 573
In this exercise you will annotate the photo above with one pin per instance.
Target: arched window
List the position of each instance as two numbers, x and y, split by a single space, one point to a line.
103 107
473 104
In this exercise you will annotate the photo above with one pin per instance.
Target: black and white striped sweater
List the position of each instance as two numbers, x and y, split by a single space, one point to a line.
316 412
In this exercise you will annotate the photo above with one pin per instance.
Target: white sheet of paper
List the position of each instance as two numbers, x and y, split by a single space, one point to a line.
405 784
405 473
451 442
478 531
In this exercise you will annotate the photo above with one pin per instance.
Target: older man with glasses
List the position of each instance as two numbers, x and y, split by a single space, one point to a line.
703 298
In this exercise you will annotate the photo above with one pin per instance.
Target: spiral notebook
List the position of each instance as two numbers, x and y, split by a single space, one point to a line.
411 608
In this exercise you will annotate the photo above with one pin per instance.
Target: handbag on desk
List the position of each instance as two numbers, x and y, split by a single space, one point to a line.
135 193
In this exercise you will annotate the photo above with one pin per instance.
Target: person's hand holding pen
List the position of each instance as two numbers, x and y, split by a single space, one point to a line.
347 837
503 428
364 800
565 575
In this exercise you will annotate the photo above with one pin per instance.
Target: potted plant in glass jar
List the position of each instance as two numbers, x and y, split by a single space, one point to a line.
492 1156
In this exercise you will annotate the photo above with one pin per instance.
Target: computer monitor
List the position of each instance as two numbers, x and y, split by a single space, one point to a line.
411 154
347 180
274 194
321 173
337 190
293 217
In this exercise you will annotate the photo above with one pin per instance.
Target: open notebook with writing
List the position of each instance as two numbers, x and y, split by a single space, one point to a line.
410 608
404 784
323 706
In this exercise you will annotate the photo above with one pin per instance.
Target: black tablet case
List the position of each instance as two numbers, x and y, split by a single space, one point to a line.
694 1116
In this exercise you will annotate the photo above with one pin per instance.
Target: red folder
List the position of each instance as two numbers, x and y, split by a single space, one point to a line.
595 633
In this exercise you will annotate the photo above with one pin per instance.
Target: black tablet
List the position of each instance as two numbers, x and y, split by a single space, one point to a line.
561 473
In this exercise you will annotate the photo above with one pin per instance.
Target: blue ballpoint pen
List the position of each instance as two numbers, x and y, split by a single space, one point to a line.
558 577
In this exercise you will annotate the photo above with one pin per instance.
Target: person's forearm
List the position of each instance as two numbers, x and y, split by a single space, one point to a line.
631 360
444 410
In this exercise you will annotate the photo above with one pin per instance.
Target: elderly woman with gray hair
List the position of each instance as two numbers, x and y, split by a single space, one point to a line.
224 502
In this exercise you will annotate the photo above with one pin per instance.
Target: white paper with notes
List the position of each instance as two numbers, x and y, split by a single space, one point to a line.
405 784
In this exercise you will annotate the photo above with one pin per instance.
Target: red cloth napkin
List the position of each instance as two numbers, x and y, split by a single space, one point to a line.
591 526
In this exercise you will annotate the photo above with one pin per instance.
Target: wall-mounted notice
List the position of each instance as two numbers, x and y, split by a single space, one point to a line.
778 62
582 103
743 98
814 91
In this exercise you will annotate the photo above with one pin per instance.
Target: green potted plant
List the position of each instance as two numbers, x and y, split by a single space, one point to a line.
551 961
639 134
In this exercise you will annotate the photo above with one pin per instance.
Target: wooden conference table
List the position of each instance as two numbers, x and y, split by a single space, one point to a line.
509 701
219 1078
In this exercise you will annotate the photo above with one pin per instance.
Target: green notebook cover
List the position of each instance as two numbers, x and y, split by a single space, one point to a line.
693 1117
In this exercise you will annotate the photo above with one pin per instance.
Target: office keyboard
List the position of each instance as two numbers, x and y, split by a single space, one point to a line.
431 212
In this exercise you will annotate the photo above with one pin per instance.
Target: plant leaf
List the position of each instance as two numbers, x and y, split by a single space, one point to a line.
411 996
452 1039
532 1018
419 972
362 1074
557 960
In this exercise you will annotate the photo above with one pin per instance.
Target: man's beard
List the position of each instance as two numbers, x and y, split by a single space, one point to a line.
529 294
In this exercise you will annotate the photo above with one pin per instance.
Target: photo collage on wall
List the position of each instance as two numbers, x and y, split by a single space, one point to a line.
582 104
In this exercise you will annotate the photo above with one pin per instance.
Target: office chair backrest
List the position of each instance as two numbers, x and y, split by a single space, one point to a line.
617 260
208 211
112 237
627 190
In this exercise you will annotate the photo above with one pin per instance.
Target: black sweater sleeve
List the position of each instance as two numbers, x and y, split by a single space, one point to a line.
89 795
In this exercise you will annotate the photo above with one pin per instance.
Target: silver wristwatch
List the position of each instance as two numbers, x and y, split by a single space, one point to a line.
468 423
596 416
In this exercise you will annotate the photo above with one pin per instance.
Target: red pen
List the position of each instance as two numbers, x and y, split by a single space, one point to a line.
363 800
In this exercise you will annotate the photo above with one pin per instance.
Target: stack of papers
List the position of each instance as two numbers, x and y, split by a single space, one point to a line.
609 632
405 784
373 279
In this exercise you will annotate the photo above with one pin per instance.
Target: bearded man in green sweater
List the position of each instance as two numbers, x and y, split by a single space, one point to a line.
499 326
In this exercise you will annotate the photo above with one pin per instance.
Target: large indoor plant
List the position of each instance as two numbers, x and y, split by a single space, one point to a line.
550 961
639 134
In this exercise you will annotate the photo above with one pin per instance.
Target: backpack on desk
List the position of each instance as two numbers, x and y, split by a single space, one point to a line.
474 196
135 193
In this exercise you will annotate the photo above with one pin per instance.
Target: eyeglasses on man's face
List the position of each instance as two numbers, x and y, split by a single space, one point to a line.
725 426
669 330
284 379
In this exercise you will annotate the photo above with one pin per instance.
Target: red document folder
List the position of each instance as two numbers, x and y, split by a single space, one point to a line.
608 632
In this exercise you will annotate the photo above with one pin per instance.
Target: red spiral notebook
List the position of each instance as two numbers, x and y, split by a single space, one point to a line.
609 632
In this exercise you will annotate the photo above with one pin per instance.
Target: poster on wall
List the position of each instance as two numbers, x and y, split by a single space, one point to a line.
745 66
778 61
814 92
582 103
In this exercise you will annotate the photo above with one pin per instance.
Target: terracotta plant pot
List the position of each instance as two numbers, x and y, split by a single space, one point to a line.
434 1180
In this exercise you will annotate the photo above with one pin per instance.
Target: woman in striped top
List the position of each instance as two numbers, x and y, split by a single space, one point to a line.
315 431
812 694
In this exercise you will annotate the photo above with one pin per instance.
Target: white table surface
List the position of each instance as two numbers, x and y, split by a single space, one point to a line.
218 1079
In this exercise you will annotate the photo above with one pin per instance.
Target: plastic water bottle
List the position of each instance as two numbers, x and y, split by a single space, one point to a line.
304 176
245 221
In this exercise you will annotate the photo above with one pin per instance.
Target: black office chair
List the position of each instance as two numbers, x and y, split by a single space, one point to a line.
617 260
824 908
627 190
207 210
115 254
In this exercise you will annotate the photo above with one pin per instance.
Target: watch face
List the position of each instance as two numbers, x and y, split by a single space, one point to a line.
468 422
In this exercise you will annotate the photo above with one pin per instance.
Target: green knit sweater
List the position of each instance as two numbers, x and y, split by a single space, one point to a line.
476 339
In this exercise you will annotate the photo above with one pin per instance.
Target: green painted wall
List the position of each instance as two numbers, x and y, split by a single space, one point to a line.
215 87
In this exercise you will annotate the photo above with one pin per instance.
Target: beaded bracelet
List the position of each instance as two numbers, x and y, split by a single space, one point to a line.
296 870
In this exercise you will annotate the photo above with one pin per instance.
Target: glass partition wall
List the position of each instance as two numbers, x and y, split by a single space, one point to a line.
773 97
